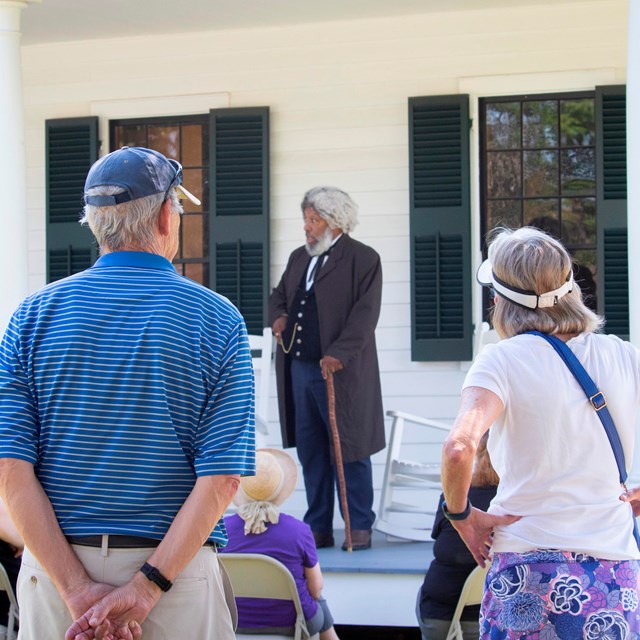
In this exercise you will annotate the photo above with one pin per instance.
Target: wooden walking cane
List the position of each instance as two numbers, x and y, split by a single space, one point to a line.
337 448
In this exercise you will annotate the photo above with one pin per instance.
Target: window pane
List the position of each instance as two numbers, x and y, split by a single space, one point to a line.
540 173
540 124
503 174
577 122
186 141
132 135
543 214
504 213
196 272
539 170
192 180
579 221
192 145
503 125
578 172
165 139
192 246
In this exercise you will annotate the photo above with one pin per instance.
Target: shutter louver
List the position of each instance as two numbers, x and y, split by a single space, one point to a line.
614 147
438 312
616 281
239 158
71 149
437 160
440 228
611 176
71 152
63 263
240 278
240 210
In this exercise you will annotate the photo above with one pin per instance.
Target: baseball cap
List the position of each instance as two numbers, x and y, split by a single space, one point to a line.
140 172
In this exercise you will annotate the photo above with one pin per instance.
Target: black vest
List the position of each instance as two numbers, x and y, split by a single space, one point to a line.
302 332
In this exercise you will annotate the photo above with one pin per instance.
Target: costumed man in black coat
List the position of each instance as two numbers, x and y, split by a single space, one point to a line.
323 314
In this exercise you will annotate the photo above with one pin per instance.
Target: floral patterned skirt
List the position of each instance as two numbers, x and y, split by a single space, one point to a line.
549 595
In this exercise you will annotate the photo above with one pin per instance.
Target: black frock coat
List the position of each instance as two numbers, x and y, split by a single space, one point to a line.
348 292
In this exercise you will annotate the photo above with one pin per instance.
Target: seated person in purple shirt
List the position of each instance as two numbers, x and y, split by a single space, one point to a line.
259 527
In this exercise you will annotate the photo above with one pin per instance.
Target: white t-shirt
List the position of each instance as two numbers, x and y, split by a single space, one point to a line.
555 463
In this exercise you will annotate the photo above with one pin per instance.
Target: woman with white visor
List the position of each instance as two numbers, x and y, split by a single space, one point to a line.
560 401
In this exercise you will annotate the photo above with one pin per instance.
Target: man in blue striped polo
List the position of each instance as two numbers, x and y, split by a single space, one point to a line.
126 421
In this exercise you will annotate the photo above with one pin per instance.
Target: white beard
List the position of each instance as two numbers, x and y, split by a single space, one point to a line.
323 244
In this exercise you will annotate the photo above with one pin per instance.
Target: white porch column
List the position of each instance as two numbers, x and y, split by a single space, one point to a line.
633 166
14 262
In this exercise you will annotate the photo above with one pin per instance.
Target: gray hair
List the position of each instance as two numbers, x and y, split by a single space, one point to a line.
532 260
334 206
129 224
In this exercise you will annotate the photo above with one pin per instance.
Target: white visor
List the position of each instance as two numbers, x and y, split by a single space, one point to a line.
529 299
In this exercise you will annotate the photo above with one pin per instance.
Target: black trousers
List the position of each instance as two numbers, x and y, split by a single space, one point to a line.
313 437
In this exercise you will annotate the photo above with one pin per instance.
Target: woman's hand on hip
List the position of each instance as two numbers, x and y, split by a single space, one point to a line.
476 532
632 496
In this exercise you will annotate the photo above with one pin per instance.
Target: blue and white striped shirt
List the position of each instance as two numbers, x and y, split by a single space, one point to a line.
121 385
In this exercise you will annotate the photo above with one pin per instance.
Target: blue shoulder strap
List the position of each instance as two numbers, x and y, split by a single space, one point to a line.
598 402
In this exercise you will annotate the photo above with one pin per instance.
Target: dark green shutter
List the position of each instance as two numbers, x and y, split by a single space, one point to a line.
71 149
611 172
239 187
440 228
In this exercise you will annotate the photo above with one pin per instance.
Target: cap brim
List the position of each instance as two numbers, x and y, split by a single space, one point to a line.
183 194
485 274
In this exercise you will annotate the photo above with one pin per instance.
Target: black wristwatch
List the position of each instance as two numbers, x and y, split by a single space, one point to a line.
156 577
463 515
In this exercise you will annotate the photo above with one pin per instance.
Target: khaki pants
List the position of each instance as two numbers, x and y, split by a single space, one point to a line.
195 607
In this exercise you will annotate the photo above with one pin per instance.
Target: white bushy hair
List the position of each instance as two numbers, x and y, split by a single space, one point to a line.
334 206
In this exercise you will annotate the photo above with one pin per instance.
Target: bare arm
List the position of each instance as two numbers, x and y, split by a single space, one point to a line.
313 576
191 527
34 518
479 408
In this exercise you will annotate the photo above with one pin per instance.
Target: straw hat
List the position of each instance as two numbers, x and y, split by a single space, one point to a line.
275 479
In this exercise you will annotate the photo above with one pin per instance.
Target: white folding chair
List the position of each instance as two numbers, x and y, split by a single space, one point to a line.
254 575
5 585
471 593
262 367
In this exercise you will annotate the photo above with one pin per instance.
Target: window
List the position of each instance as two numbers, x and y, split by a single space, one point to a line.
187 141
538 168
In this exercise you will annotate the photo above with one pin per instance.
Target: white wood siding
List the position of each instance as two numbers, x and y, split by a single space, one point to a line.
338 98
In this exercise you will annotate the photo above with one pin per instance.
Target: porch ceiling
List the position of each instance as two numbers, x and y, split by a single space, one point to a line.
68 20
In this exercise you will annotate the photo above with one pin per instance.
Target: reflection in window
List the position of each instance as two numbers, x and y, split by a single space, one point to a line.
538 168
503 125
540 124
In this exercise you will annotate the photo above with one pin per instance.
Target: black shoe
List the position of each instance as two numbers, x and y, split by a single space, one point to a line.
360 540
323 539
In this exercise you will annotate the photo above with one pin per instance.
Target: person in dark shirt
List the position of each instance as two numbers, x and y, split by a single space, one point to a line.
11 545
452 561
